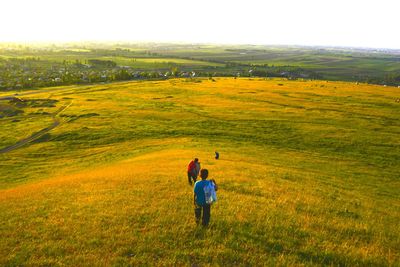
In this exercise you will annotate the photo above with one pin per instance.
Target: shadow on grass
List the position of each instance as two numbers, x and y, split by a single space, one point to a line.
289 241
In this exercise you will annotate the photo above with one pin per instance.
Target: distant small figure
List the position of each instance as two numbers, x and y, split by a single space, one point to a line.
204 196
216 155
398 100
193 170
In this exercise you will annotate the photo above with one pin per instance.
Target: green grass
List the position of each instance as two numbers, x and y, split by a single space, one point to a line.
135 60
308 175
332 63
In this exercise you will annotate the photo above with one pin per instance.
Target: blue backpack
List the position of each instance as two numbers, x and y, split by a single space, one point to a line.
209 192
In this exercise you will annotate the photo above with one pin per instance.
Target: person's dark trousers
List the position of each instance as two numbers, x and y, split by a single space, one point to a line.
206 208
191 176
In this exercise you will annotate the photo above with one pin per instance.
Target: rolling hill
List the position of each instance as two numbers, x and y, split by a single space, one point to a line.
308 175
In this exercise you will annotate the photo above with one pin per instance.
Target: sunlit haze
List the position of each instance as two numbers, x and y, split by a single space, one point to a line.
292 22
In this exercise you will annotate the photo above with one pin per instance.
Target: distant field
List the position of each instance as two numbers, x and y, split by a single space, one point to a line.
155 63
177 61
335 64
339 64
308 175
139 61
337 67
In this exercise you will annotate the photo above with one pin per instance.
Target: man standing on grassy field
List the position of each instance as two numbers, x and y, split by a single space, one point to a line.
204 196
191 171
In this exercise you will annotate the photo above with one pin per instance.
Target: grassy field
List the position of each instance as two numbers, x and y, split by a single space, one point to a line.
332 63
308 175
139 61
375 66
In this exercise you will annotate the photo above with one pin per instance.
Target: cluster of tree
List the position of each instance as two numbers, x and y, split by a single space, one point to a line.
287 72
391 79
29 72
18 73
102 63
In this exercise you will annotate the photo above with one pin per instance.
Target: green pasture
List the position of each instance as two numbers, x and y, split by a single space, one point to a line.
308 175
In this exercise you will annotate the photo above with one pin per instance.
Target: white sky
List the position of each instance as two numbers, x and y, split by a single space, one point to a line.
367 23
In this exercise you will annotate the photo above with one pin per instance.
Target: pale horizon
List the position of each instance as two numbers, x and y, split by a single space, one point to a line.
367 24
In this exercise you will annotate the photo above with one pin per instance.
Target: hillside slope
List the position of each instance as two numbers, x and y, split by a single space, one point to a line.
308 175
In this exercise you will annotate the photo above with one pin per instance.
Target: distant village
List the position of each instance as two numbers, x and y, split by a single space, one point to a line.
30 73
24 72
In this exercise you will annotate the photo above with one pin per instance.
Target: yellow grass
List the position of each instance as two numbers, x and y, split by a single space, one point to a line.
111 190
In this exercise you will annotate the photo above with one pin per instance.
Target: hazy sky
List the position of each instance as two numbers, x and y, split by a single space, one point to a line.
367 23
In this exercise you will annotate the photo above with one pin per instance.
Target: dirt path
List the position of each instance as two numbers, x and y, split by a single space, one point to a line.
19 94
38 134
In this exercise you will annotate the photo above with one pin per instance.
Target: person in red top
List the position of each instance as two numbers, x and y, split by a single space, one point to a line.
192 171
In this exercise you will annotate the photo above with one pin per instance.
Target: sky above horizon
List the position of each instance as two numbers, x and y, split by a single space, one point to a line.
354 23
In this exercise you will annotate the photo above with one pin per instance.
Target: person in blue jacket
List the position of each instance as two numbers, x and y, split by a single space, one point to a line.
200 199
